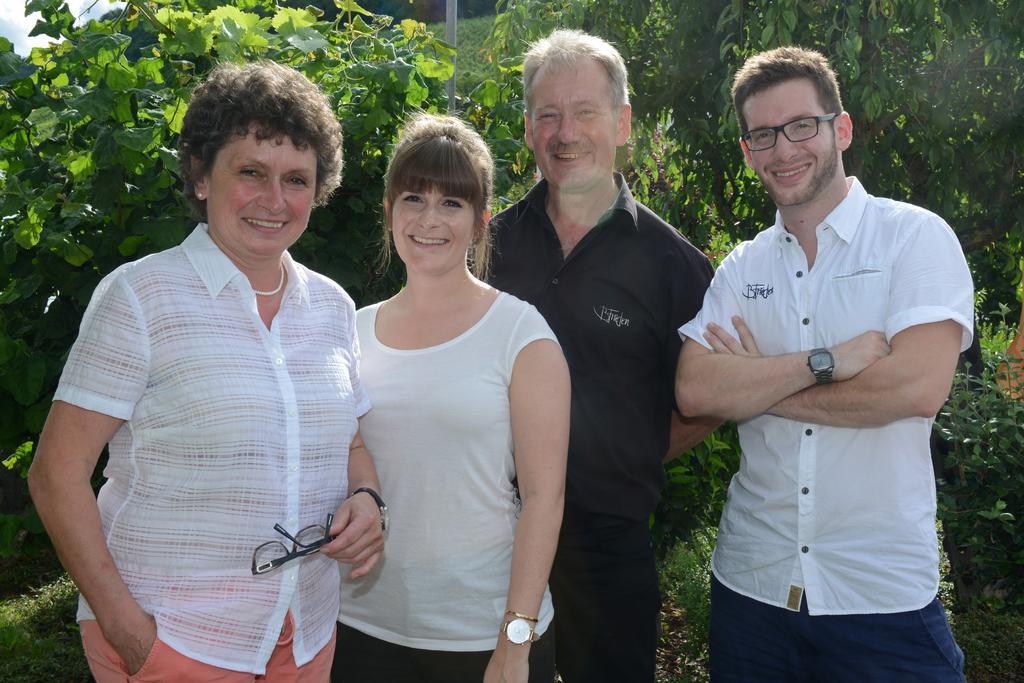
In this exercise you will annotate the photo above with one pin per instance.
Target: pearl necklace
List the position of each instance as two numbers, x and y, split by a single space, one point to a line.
275 290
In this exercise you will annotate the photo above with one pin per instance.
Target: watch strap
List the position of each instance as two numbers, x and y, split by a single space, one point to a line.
381 505
519 615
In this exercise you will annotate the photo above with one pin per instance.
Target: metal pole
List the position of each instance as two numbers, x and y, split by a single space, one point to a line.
451 19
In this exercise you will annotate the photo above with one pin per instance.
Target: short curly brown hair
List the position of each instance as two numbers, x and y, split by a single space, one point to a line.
267 99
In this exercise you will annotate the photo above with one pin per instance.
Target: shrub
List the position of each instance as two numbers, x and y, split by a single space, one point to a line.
695 491
686 581
981 492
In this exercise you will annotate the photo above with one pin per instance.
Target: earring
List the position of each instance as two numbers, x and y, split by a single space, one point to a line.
200 196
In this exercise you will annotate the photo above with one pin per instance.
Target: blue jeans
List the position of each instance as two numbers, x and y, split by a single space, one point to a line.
752 641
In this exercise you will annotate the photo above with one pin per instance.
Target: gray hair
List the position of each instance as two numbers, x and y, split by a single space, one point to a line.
566 47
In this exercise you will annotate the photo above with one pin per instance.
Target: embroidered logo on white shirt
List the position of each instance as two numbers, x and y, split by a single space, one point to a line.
753 291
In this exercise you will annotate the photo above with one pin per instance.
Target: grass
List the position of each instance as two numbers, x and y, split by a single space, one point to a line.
39 639
993 643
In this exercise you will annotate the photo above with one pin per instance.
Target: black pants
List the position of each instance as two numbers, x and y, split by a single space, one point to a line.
360 658
604 585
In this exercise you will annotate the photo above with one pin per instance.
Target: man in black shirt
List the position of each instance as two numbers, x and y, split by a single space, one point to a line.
614 282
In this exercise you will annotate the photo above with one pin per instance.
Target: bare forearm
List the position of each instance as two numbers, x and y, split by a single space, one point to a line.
69 447
533 551
913 381
69 512
361 470
737 387
874 398
687 432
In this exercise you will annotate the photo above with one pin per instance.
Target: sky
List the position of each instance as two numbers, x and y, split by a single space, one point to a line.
15 26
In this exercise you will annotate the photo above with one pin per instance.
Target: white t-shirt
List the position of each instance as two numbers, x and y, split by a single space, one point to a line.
441 440
846 514
229 429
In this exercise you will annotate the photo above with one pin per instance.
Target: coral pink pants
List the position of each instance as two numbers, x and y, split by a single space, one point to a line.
165 665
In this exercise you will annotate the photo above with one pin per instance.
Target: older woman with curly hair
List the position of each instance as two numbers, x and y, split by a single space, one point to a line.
224 377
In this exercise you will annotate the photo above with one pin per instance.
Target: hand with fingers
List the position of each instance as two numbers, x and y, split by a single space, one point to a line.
132 638
723 342
358 535
854 355
851 357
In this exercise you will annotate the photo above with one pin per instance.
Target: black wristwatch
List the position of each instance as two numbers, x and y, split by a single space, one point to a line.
380 504
822 364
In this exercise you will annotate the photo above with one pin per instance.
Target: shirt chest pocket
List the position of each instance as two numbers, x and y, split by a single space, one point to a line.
855 301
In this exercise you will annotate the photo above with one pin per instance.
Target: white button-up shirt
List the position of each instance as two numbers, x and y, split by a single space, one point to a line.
845 515
230 427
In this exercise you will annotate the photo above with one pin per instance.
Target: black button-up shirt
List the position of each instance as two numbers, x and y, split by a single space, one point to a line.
615 304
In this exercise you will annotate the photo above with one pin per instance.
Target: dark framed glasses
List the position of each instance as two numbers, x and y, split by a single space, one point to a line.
797 130
272 554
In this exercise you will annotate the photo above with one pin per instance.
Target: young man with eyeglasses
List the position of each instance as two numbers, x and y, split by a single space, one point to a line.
831 338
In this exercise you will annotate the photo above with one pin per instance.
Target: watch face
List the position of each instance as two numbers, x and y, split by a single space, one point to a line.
518 631
822 360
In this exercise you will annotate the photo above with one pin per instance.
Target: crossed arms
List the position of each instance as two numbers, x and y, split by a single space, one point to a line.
875 382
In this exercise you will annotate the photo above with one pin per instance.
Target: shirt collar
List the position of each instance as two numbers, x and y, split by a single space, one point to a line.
537 197
216 270
844 219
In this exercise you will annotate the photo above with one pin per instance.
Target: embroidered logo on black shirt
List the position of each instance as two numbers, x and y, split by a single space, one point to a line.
758 290
611 316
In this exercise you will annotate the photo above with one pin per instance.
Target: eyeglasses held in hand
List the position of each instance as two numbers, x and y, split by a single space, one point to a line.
272 554
798 130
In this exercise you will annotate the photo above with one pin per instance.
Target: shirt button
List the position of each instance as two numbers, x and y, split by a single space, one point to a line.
799 273
805 491
554 281
291 412
789 239
808 432
806 321
805 549
294 468
278 361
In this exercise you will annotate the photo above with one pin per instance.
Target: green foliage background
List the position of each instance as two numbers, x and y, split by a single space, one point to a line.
88 172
